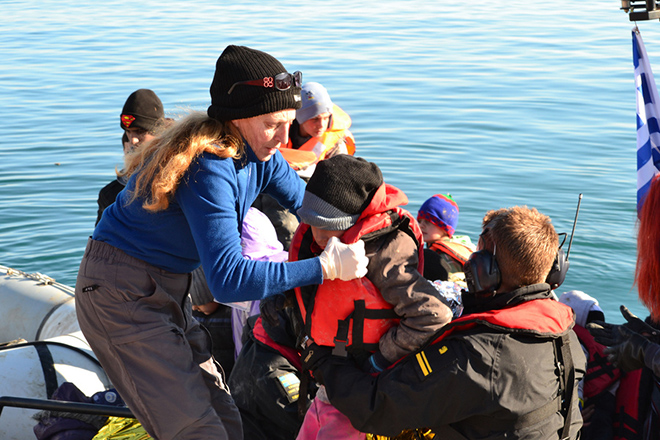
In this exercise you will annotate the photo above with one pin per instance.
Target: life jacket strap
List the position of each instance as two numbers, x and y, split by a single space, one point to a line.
359 314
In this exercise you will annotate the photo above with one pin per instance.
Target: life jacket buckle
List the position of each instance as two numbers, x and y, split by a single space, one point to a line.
340 348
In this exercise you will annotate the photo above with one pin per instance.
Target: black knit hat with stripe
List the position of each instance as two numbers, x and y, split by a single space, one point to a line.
240 63
339 191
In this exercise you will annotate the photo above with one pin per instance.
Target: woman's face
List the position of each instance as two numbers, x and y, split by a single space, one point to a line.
266 133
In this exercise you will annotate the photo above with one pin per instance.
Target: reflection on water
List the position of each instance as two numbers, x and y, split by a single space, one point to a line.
496 104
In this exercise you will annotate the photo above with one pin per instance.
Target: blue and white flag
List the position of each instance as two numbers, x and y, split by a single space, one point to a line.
648 113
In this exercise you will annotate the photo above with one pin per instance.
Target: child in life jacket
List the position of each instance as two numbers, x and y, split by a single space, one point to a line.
445 253
376 319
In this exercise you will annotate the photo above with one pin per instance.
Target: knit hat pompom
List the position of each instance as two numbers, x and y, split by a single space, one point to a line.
338 191
315 100
142 109
442 211
240 63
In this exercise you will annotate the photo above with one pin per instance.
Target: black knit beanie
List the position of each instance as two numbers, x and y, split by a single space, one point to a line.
338 191
240 63
143 109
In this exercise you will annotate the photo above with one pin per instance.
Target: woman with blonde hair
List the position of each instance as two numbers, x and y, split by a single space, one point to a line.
188 192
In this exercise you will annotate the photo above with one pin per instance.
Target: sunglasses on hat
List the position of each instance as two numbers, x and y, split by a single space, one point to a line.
281 81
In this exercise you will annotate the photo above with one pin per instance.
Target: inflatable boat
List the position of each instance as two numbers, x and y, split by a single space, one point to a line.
41 347
35 307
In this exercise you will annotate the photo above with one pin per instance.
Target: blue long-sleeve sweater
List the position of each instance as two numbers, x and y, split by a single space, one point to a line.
203 223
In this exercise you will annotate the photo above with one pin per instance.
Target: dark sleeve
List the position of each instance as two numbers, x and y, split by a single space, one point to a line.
433 269
386 404
107 197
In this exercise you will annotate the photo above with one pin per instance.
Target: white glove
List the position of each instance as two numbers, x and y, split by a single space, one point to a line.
343 261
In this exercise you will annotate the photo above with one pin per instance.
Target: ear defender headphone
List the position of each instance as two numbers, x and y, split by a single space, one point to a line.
482 275
557 273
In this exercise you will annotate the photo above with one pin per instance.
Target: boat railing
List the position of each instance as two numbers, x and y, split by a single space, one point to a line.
65 406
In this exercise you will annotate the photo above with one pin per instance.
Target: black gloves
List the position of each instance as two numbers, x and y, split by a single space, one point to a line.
312 357
626 346
628 353
270 307
638 326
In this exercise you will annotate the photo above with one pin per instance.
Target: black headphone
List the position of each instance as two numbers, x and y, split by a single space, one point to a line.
557 273
483 277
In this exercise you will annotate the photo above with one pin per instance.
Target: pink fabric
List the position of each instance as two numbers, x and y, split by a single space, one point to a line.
324 422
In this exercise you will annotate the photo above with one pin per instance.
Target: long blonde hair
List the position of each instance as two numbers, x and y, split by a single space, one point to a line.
161 163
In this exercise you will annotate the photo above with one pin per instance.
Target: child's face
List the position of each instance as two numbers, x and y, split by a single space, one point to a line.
431 232
321 236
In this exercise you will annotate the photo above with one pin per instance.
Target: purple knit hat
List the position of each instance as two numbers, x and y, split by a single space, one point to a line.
442 211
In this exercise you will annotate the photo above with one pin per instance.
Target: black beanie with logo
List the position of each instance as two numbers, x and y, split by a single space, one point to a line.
143 109
339 191
240 63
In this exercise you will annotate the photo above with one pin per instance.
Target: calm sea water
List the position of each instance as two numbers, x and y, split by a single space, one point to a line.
498 103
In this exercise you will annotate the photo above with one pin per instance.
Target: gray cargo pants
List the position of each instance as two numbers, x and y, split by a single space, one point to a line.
138 320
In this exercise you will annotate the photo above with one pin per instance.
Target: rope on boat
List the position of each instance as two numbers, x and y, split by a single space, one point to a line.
41 279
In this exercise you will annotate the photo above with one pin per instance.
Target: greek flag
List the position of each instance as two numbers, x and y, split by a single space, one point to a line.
648 113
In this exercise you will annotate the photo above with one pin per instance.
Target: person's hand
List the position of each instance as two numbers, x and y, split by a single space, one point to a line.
628 353
603 332
207 308
375 363
343 261
270 307
587 413
638 326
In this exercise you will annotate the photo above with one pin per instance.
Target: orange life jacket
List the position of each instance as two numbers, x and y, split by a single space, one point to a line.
301 158
353 313
457 251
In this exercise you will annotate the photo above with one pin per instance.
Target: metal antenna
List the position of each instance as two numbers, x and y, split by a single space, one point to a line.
577 211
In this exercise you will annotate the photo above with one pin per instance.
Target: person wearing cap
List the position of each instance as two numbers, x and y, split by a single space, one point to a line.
507 368
319 131
321 127
187 194
445 252
392 310
140 118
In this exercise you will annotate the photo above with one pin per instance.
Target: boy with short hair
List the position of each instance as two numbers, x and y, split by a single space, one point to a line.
377 319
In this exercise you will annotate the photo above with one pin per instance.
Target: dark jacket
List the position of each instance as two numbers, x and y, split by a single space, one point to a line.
475 383
265 381
108 195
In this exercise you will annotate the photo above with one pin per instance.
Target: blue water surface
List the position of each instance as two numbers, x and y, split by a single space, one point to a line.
498 103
